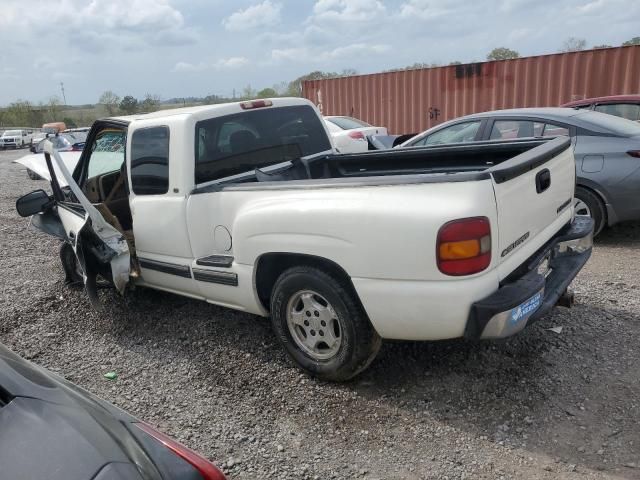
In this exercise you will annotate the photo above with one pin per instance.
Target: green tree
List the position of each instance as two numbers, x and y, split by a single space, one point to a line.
267 93
294 88
151 103
129 105
70 122
502 53
110 101
633 41
573 44
19 114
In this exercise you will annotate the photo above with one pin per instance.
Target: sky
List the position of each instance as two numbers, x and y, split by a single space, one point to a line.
178 48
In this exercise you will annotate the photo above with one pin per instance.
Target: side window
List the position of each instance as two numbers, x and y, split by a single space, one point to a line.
150 161
630 111
551 130
507 129
242 142
458 133
107 152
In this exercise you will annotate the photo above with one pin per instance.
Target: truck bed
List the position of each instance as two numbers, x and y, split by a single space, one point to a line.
445 163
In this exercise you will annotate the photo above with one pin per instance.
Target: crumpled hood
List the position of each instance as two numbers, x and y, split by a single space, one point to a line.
37 163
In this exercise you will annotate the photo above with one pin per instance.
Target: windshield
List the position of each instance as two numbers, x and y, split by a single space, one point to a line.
619 126
11 133
348 123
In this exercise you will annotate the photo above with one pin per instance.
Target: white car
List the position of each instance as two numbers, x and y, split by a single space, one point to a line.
246 205
350 134
15 139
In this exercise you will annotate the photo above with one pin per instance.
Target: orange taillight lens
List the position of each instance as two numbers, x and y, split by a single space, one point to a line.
464 246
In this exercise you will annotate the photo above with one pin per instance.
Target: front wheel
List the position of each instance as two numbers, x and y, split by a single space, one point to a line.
71 266
321 324
588 204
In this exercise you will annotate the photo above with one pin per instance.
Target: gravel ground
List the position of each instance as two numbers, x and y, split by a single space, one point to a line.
542 405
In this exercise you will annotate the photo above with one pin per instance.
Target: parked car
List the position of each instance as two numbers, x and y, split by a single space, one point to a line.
63 142
53 429
15 139
350 135
246 205
625 106
606 148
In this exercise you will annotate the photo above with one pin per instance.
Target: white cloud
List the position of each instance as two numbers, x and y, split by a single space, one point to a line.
315 55
221 64
426 9
265 14
348 11
295 54
230 63
190 67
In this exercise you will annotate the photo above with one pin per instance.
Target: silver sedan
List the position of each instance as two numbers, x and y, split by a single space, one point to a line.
606 148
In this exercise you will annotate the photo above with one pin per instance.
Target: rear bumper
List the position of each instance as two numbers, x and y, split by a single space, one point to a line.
522 300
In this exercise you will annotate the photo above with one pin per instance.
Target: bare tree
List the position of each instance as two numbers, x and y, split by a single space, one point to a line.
151 103
573 44
111 102
54 108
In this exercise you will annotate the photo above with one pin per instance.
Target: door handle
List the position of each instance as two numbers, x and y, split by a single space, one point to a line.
543 180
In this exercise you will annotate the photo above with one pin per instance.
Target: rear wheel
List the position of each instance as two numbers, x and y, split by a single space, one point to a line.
588 204
321 325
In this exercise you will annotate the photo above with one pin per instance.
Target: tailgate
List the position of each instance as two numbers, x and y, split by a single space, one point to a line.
534 193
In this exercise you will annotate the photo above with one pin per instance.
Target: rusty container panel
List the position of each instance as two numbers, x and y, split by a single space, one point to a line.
411 101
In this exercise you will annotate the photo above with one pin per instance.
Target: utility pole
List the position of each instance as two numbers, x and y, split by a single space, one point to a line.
63 96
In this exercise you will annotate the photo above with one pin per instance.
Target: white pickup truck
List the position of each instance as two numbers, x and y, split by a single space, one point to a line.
248 206
16 138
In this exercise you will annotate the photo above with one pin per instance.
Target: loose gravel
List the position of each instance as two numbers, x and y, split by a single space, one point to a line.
541 405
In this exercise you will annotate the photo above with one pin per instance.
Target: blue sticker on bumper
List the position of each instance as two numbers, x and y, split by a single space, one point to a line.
526 309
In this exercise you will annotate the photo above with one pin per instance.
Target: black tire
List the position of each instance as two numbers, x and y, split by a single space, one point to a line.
72 270
596 208
359 342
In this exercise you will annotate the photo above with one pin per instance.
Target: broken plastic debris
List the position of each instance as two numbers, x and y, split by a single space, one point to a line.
111 375
555 329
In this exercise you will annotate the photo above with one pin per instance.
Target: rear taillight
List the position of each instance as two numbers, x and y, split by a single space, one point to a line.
356 135
256 104
207 470
634 153
464 246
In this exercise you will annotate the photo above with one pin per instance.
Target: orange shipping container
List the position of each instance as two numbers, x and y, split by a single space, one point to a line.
410 101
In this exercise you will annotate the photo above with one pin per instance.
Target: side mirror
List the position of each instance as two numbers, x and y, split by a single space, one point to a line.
32 203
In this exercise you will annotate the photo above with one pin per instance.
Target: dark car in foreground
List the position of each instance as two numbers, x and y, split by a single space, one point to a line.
51 429
625 106
606 149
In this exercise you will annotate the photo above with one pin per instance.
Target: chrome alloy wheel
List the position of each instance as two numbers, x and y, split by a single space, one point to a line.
581 208
314 325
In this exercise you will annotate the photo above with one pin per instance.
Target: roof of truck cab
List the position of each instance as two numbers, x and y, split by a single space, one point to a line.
170 112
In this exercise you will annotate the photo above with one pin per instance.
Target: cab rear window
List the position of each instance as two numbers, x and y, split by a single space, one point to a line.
242 142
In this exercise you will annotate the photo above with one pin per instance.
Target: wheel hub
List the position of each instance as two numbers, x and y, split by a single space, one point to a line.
581 208
314 325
